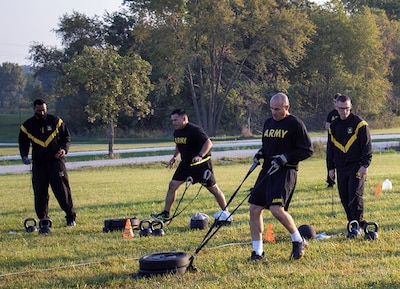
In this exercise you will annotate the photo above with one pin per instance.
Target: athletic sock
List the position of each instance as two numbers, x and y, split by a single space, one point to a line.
296 237
258 247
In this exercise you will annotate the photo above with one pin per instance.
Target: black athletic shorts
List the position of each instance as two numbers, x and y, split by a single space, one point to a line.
185 170
276 189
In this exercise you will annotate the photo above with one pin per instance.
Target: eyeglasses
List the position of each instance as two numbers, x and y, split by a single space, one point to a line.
344 108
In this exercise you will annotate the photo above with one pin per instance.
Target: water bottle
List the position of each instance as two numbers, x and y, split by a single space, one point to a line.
386 185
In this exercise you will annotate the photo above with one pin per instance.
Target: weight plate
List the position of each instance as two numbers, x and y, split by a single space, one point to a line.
119 224
149 273
163 261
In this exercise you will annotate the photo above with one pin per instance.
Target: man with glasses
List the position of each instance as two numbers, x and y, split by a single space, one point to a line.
349 151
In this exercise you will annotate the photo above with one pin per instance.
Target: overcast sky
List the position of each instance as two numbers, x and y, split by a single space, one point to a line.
24 22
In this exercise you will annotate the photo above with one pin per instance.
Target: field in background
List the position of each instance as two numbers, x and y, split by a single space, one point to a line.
85 257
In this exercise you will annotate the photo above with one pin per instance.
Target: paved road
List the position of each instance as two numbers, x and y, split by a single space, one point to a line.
18 169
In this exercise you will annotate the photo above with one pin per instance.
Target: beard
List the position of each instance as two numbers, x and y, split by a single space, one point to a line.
40 116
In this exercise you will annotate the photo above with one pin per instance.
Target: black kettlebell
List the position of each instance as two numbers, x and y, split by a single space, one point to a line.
351 224
158 228
29 228
45 225
371 235
145 228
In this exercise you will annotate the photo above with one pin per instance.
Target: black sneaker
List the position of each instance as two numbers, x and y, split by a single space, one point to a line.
257 258
163 217
298 249
70 221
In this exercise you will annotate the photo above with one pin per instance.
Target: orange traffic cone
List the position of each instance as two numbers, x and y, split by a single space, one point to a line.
128 232
378 189
269 236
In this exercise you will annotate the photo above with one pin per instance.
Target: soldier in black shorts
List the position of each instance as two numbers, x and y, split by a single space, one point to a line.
285 142
193 146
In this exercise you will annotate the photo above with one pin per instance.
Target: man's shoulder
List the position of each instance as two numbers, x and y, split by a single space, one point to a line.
294 119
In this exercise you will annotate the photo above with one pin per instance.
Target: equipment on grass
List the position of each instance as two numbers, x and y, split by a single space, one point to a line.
128 231
199 221
223 218
371 235
45 225
178 262
307 231
353 229
119 224
145 228
30 225
157 228
163 263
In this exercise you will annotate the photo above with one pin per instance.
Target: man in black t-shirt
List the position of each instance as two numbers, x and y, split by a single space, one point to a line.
285 142
193 146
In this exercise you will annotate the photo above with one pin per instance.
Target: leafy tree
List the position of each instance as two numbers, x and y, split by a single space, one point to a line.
210 47
116 85
75 31
12 85
346 55
391 7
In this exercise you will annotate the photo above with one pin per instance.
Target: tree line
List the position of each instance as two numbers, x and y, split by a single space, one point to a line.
220 60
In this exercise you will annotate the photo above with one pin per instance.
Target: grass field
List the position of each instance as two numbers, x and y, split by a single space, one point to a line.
85 257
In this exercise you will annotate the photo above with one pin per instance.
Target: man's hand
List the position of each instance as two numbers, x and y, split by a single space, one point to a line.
362 172
259 155
279 161
171 163
332 174
26 161
60 154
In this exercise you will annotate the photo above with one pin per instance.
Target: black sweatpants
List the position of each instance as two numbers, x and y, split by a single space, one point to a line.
53 173
351 190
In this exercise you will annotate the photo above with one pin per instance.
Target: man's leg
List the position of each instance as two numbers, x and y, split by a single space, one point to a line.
171 194
40 187
219 195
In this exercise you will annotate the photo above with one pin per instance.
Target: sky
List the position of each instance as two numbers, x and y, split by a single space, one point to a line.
26 22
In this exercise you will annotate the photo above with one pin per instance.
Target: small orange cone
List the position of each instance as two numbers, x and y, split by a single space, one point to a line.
269 236
128 232
378 189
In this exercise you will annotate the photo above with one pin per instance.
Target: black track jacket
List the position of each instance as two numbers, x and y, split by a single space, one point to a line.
349 142
47 137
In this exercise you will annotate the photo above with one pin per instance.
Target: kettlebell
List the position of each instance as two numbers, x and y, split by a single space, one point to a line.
353 228
145 228
371 235
45 225
29 228
158 228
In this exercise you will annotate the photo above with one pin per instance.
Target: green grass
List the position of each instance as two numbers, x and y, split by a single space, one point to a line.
85 257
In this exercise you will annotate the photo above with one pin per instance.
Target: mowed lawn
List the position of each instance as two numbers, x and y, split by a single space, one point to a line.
85 257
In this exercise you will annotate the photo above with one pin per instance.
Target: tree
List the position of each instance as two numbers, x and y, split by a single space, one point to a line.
12 85
206 48
346 55
391 7
116 85
75 31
